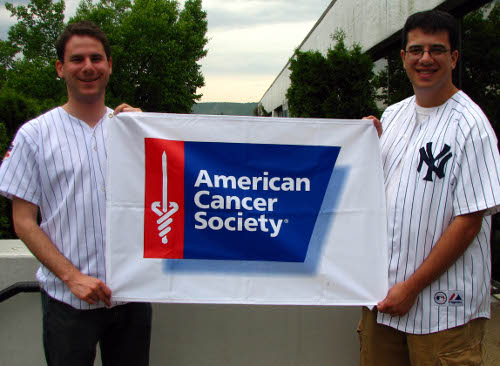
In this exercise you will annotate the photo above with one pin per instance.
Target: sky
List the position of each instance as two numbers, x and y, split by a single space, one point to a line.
250 42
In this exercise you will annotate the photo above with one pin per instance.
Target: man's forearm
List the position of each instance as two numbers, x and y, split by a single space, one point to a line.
452 244
84 287
28 230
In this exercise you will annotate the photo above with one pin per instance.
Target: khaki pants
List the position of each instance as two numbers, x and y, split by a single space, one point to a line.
385 346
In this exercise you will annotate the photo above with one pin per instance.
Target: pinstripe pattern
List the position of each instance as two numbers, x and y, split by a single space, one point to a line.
419 211
58 163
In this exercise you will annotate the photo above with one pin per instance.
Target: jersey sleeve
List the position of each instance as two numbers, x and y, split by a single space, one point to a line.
19 171
478 169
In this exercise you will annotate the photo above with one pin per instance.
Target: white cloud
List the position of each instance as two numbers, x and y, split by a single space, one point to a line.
238 88
5 23
251 13
262 45
6 20
250 42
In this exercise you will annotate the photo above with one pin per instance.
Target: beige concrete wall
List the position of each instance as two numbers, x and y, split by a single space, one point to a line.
190 334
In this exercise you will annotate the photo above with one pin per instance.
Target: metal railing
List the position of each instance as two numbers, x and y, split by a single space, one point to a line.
17 288
495 287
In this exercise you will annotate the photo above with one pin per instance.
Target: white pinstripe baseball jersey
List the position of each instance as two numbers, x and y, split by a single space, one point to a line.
58 163
445 165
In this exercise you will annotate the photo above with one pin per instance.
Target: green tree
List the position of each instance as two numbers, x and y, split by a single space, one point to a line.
27 57
308 84
16 109
156 48
7 54
480 55
336 86
38 25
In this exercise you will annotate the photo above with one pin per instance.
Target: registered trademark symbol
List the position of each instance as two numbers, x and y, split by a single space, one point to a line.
286 221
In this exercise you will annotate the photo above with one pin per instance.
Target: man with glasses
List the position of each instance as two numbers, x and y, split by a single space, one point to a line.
442 179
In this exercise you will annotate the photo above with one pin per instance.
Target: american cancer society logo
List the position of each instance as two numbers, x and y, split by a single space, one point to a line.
230 201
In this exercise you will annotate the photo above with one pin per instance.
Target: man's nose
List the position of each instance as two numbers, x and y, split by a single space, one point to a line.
87 64
426 57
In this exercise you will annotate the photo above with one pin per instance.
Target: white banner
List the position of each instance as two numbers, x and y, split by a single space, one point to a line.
250 210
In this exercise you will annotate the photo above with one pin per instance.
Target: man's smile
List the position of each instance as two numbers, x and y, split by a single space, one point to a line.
86 80
426 73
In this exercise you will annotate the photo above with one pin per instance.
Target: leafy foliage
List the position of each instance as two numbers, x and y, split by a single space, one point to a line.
155 48
336 86
39 24
27 58
480 55
15 107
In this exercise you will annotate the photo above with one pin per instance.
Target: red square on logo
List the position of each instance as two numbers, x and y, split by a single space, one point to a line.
164 199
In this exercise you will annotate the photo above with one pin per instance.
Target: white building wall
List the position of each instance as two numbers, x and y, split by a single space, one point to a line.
366 22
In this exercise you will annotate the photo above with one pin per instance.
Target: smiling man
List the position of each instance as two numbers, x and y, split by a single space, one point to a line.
58 165
85 65
442 180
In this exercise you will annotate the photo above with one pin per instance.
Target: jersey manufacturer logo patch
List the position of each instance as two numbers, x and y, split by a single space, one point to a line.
440 298
233 201
456 298
427 157
449 298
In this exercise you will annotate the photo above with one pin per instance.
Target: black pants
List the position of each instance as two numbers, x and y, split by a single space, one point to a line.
70 336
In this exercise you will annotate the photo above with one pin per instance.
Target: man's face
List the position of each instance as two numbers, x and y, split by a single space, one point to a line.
86 69
429 73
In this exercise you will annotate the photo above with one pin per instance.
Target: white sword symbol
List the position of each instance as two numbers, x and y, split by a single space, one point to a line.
165 181
164 221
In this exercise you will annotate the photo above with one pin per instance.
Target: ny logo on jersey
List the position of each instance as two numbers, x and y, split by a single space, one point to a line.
427 157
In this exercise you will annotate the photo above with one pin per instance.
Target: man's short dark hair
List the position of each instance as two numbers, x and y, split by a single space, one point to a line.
82 28
432 21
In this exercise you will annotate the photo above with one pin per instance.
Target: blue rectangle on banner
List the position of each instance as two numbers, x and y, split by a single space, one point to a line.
253 202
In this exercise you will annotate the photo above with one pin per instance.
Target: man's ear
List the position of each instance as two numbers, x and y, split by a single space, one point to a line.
454 59
110 65
59 66
403 56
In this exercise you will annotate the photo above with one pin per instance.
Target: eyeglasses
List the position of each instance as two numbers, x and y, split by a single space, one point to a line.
418 52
